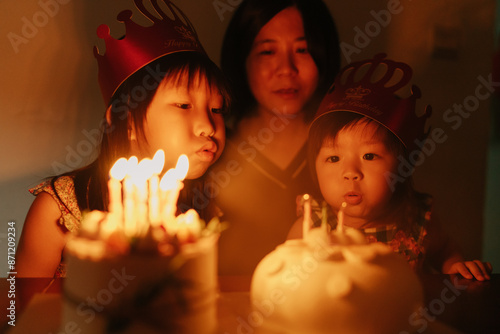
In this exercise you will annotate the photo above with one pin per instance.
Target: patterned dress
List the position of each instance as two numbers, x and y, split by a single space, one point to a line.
411 245
66 200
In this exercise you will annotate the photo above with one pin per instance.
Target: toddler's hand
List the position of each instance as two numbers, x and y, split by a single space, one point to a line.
472 269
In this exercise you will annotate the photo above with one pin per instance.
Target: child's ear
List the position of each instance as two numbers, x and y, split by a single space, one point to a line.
108 116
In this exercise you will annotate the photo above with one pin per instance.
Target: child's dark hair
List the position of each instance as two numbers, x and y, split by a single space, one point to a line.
132 100
326 129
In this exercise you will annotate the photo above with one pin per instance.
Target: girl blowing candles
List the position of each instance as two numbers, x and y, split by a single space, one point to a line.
360 135
162 92
280 56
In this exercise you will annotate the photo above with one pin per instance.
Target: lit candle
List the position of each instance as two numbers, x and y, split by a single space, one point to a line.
187 226
340 217
140 177
154 182
324 216
306 223
128 197
171 184
116 173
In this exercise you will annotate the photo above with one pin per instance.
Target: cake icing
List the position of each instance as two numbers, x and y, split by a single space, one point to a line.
334 282
146 287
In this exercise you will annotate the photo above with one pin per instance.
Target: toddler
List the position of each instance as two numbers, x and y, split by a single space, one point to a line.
362 131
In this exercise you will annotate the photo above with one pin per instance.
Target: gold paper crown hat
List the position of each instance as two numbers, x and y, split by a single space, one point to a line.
357 91
173 32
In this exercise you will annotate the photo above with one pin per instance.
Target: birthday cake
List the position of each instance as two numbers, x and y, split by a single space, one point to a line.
333 282
146 278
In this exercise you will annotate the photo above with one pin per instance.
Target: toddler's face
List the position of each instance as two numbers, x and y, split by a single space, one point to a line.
353 169
186 121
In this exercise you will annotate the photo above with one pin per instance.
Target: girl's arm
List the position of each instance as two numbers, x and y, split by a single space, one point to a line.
42 240
445 255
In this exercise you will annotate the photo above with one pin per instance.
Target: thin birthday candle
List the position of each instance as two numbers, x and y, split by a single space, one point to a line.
171 184
306 224
128 198
143 173
154 190
340 217
324 216
116 175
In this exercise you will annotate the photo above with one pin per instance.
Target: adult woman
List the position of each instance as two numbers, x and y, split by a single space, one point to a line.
280 57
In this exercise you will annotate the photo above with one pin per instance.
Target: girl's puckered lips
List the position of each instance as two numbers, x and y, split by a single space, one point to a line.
287 93
353 198
208 151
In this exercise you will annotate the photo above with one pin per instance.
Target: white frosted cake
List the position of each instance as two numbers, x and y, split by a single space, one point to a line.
153 286
333 282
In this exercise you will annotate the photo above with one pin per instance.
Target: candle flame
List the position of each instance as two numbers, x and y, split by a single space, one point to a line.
168 181
145 169
132 164
119 169
182 167
158 161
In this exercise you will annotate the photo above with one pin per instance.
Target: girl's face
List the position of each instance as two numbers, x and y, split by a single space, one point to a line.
281 73
353 169
186 121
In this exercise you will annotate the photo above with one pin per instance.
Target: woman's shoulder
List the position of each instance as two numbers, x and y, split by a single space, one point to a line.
62 191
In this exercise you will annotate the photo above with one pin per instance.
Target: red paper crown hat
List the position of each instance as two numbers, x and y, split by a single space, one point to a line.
377 99
142 45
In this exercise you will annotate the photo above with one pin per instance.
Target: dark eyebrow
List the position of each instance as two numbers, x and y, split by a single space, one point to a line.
269 40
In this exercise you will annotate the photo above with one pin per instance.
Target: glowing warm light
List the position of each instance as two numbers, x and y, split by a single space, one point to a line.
128 197
117 174
182 167
119 169
171 184
158 161
148 202
154 188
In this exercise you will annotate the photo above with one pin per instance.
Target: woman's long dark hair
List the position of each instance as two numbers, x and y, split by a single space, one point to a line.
248 20
131 100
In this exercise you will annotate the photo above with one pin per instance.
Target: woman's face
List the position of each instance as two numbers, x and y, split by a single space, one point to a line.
355 168
186 121
281 73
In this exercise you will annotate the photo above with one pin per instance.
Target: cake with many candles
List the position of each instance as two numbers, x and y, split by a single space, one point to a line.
134 270
334 282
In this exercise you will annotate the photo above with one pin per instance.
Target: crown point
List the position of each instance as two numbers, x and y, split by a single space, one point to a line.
142 44
103 31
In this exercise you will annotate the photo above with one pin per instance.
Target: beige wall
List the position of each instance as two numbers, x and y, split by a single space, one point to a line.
50 106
